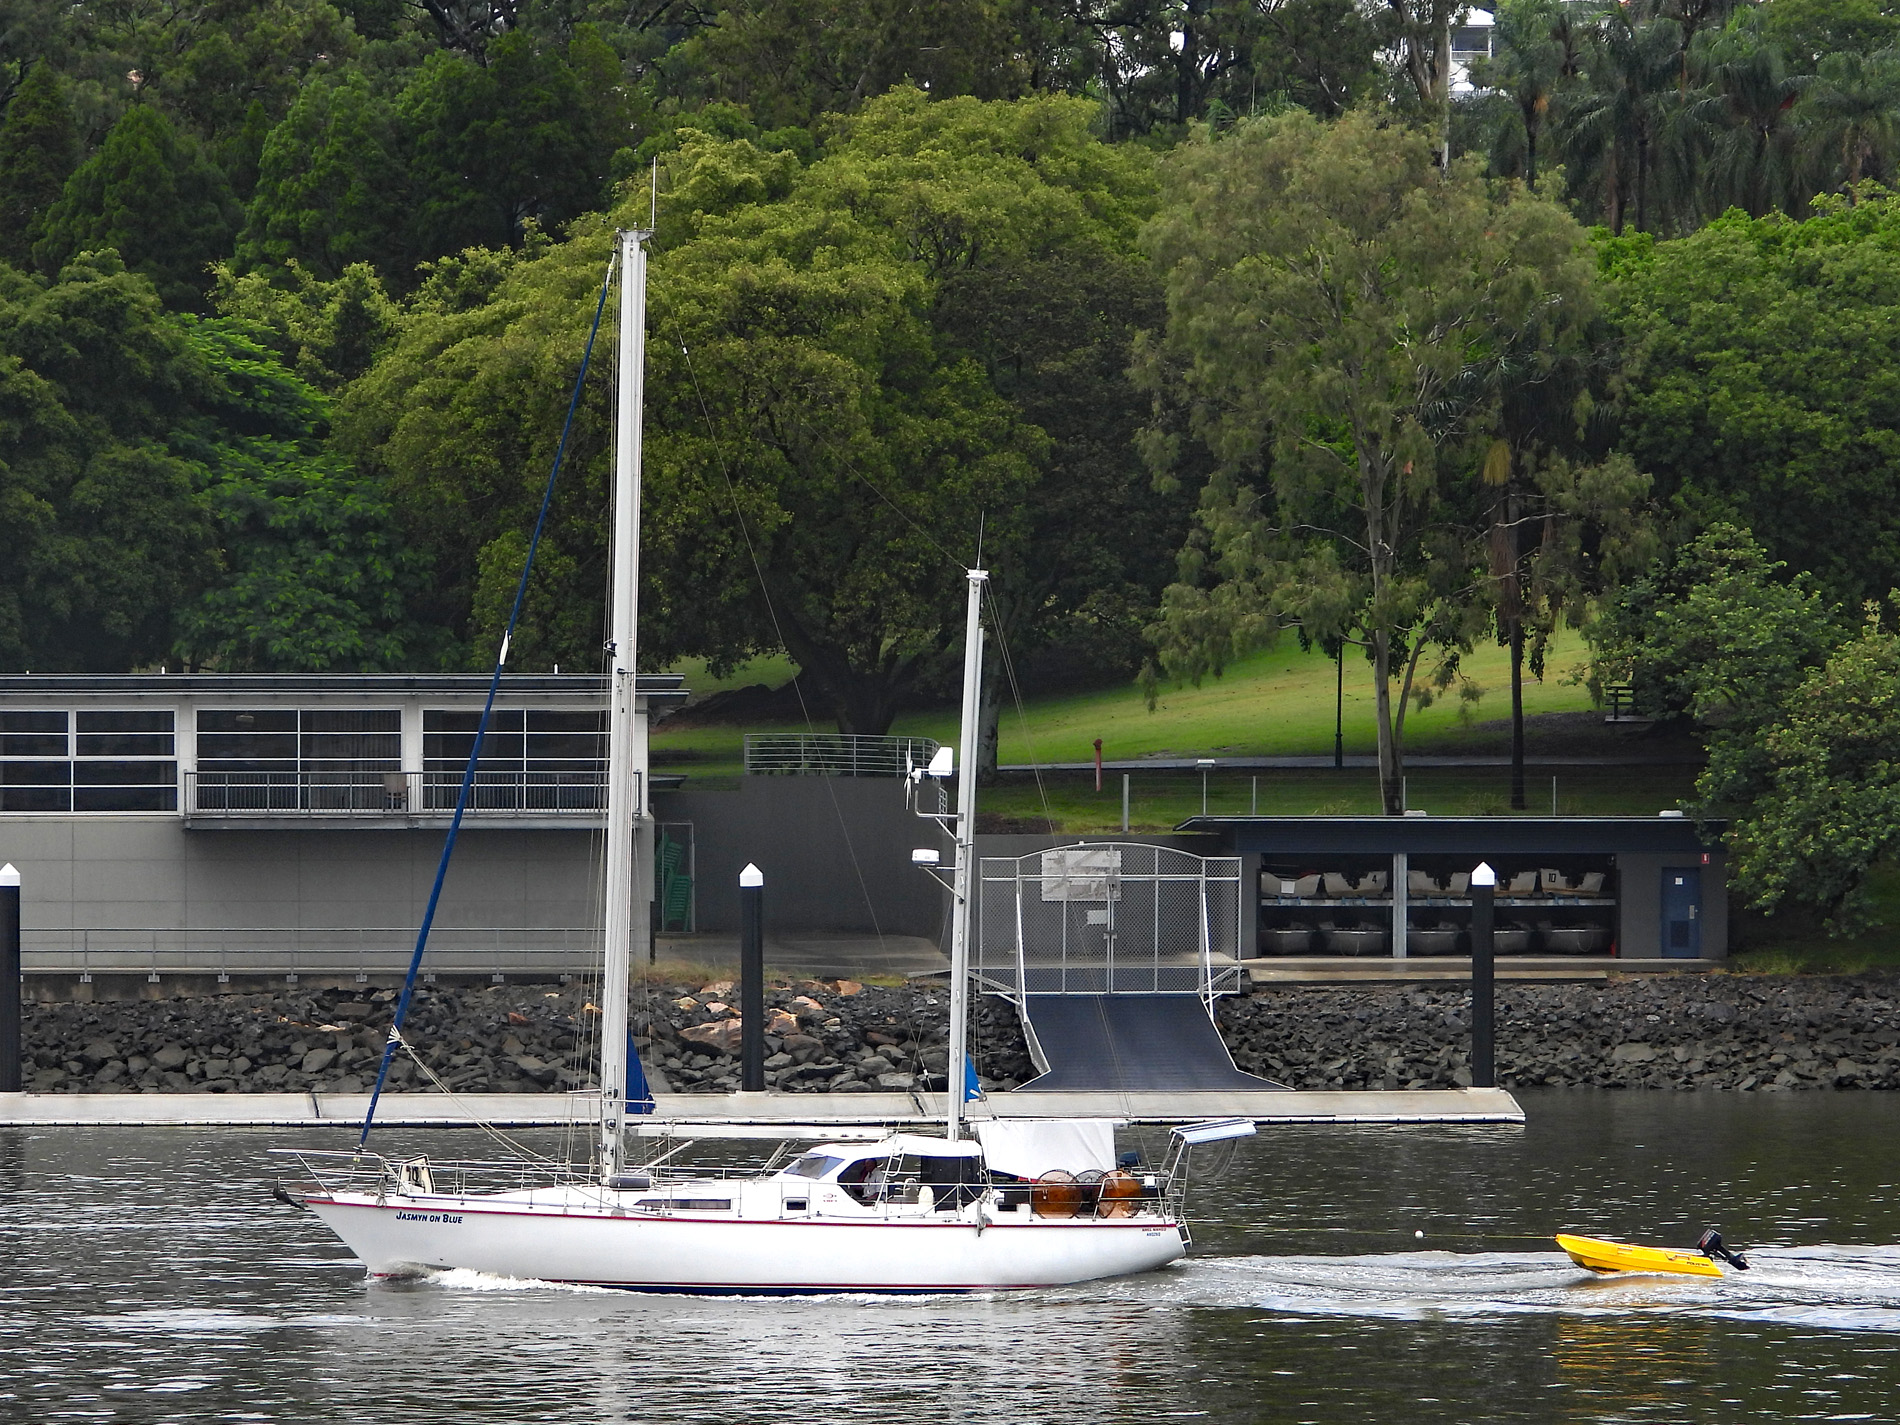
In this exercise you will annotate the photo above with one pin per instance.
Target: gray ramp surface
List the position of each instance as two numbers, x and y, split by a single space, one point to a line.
1131 1044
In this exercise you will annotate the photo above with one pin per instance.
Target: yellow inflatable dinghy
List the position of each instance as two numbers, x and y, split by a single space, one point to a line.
1601 1256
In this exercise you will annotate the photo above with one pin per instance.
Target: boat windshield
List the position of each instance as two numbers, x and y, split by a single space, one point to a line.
812 1165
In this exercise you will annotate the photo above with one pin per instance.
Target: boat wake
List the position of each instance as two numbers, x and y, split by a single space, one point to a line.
1839 1288
465 1279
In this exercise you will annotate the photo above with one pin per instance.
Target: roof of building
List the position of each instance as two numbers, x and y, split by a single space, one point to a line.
655 687
1483 835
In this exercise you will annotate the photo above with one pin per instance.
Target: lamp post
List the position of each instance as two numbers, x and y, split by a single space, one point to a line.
1339 708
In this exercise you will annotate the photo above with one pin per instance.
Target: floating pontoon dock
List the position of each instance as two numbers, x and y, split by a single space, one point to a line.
701 1111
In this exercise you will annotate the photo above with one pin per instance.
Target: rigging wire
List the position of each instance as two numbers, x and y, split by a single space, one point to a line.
481 727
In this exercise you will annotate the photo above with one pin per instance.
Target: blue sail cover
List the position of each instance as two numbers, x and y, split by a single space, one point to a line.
639 1095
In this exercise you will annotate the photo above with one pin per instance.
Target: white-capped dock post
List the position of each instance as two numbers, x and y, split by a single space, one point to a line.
752 979
9 979
1484 883
956 1067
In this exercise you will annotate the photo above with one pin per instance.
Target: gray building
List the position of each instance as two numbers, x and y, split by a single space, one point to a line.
1630 887
235 821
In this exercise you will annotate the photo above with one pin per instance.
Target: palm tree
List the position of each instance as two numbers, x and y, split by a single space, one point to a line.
1617 124
1748 107
1537 49
1850 119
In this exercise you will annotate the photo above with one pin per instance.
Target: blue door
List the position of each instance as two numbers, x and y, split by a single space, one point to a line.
1682 912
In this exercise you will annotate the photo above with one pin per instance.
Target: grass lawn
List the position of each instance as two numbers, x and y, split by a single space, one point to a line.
1159 800
1796 943
1277 703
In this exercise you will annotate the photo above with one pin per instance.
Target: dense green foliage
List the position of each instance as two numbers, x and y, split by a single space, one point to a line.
1335 305
1181 306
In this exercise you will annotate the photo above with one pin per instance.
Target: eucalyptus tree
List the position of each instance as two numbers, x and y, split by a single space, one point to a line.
1331 292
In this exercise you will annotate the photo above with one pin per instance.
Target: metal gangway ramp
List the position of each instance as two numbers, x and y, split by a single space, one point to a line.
1113 955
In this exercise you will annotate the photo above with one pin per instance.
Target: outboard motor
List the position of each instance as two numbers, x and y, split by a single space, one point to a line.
1710 1245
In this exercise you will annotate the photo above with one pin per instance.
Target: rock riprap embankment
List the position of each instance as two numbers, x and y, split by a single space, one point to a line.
1690 1031
1679 1031
821 1036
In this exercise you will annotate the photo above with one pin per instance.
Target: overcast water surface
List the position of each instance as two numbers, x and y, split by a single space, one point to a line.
146 1275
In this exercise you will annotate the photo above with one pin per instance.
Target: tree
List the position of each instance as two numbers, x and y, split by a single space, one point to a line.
1331 294
328 333
1536 50
1615 128
494 148
1808 31
1718 635
1750 110
1756 382
103 534
151 195
331 187
314 574
1850 119
819 465
790 61
1829 806
37 152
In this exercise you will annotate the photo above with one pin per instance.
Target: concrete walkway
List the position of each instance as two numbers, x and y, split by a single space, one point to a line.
1353 761
1334 969
700 1112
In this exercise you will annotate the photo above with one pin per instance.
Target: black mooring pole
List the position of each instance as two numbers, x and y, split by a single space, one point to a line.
9 979
1484 1074
752 979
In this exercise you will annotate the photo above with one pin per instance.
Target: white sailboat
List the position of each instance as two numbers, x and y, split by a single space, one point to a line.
905 1213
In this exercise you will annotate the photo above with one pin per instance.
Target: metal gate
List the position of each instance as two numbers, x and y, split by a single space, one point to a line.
1109 919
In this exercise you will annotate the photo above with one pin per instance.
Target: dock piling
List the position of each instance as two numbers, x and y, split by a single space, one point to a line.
10 979
752 980
1484 883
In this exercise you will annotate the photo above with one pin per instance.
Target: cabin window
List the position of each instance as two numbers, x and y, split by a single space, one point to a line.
812 1165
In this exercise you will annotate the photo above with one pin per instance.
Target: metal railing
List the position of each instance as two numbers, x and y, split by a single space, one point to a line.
535 952
1110 919
834 754
380 795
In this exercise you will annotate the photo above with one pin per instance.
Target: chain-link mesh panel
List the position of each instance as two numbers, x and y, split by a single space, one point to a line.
1101 919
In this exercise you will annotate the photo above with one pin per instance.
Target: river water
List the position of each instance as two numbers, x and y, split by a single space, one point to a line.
145 1275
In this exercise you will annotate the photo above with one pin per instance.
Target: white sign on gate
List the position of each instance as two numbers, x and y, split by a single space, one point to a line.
1082 873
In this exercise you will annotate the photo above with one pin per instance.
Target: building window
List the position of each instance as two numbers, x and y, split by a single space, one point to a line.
113 761
297 759
532 760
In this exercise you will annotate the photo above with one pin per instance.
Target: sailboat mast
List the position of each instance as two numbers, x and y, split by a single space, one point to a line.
626 747
956 1070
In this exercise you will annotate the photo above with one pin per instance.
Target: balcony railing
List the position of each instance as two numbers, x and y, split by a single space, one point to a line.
392 795
834 754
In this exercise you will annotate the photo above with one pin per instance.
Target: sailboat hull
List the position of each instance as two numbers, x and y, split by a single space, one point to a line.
724 1255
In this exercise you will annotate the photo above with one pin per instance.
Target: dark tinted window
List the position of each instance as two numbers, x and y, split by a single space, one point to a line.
126 721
